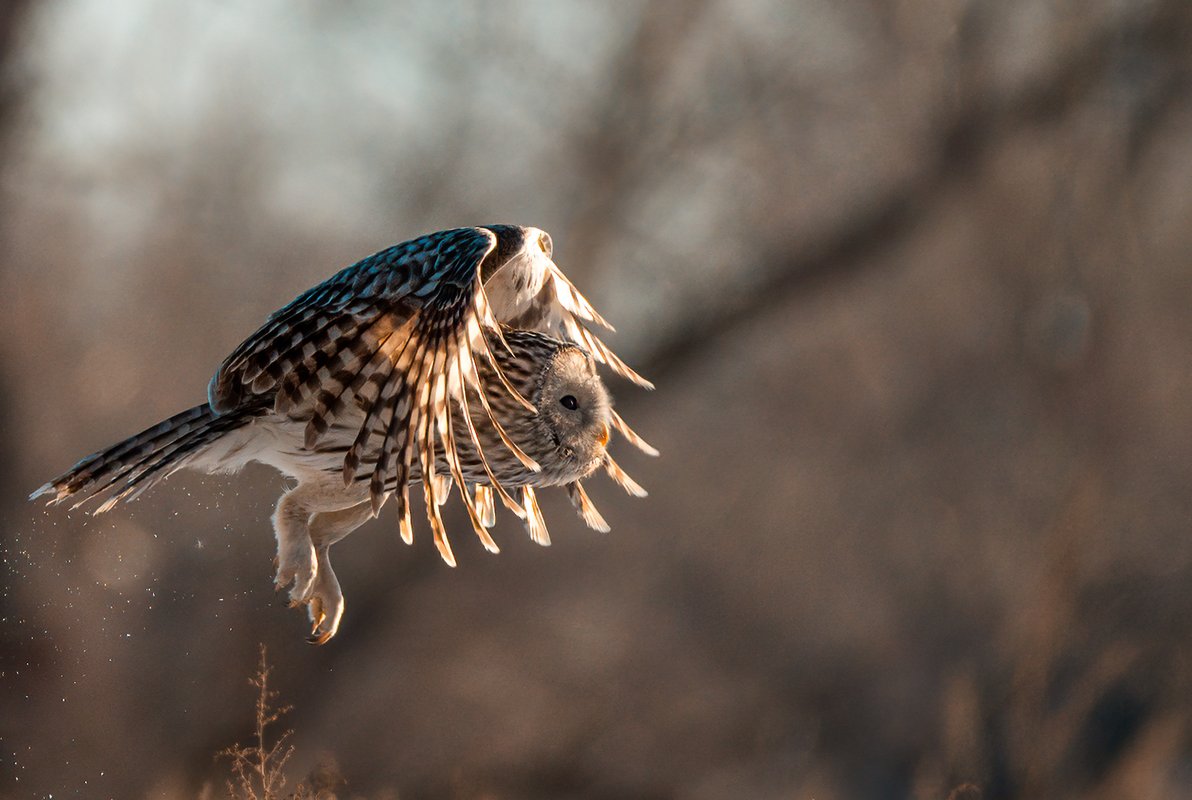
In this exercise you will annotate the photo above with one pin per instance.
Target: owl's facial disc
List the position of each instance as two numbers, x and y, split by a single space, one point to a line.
574 406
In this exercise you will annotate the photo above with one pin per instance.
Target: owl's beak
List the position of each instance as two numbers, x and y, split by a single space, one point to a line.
604 434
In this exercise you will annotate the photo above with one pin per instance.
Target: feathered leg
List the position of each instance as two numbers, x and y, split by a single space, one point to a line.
295 554
325 602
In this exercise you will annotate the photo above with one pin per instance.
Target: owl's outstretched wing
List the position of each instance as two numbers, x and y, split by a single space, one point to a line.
399 333
553 305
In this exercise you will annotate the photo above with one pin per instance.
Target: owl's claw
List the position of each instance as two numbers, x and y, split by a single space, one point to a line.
325 606
315 609
318 634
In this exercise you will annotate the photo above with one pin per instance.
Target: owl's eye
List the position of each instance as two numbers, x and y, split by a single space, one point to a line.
569 402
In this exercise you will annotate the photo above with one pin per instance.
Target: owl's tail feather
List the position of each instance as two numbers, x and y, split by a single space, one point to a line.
124 470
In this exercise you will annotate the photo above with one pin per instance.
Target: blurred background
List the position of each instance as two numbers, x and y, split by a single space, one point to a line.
912 279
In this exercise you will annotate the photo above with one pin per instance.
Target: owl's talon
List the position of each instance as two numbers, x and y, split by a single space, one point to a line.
325 607
320 639
318 635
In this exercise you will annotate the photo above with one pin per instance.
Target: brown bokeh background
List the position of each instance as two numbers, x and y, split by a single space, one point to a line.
912 279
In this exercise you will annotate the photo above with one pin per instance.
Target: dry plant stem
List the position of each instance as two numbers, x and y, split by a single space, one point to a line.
259 771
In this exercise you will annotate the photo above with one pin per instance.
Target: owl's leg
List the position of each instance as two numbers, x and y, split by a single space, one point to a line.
325 600
295 553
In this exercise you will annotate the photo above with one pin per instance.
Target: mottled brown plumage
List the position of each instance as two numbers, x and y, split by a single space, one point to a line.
398 370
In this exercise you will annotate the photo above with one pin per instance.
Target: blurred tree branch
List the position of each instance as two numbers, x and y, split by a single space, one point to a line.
981 117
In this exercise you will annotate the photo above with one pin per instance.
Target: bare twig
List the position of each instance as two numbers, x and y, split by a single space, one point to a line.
258 772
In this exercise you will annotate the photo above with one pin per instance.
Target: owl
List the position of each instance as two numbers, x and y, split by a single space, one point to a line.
460 358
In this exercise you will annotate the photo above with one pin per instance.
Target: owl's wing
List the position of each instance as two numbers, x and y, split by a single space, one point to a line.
549 303
397 333
556 308
395 283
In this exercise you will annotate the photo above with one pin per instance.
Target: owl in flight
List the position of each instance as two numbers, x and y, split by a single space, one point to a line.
461 357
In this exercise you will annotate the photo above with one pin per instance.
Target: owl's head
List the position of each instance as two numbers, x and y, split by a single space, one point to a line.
574 409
